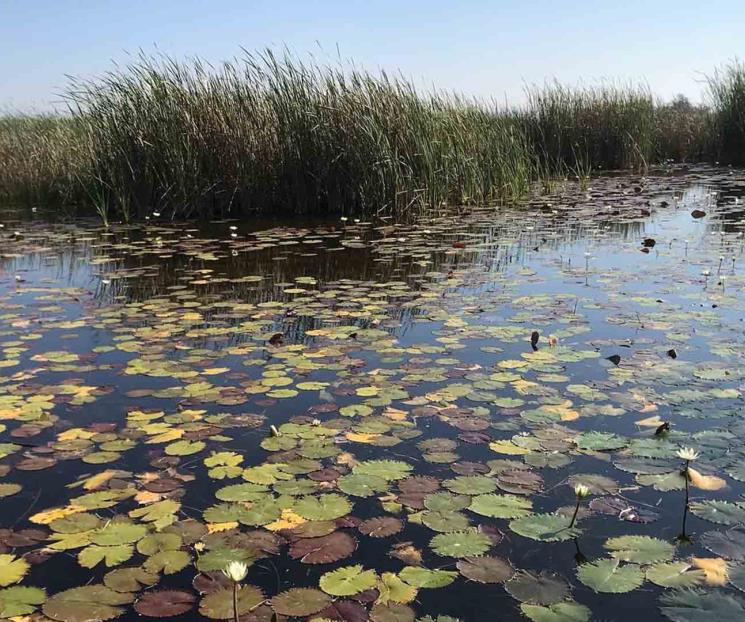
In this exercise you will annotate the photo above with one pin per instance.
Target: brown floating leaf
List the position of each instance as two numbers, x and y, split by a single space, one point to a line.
344 611
164 603
407 553
208 582
418 484
485 569
392 613
381 527
469 468
218 605
323 550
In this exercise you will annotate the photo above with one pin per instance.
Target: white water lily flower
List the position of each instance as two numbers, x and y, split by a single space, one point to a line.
687 453
581 491
236 571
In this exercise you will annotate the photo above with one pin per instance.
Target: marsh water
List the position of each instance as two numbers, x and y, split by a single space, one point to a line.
418 399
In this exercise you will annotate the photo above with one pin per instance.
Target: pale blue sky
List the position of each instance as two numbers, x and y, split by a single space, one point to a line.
489 49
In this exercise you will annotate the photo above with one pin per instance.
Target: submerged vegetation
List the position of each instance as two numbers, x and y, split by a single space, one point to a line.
273 135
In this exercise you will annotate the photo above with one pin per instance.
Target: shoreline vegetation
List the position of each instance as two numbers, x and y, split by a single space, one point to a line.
272 135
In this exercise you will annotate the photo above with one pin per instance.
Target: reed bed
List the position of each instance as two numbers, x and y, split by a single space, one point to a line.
726 89
274 135
271 134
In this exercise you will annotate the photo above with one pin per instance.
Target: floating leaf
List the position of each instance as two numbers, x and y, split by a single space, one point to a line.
323 550
324 507
385 469
610 576
164 603
218 605
20 600
559 612
460 543
716 570
426 578
640 549
348 581
362 485
83 604
381 527
12 570
720 512
392 589
485 569
501 506
300 602
697 606
674 574
545 527
537 588
130 579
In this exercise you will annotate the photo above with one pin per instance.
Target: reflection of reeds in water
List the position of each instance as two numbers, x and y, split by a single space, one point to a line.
122 265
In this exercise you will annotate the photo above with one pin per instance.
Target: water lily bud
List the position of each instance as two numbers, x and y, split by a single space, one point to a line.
581 491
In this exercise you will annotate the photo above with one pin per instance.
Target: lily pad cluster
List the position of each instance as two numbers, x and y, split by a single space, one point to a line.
366 412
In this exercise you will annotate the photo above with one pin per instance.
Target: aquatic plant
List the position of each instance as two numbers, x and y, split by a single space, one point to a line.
143 374
272 134
236 571
726 91
688 455
581 492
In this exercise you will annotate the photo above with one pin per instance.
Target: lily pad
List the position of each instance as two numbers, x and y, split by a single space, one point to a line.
610 576
558 612
218 605
640 549
299 602
501 506
485 569
460 543
164 603
426 578
545 527
537 588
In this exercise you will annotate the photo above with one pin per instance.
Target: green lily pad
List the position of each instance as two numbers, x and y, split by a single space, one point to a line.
675 574
558 612
610 576
348 581
501 506
460 543
323 507
20 600
83 604
426 578
640 549
545 527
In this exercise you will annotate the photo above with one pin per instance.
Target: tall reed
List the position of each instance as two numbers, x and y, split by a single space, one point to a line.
584 128
726 89
273 134
41 160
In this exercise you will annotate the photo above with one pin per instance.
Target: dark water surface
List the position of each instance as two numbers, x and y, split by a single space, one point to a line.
395 363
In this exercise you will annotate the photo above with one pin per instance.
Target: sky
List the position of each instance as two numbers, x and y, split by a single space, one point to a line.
489 49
